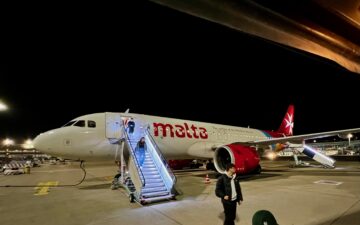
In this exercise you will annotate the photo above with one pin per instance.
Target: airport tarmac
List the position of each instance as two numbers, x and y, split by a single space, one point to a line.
308 196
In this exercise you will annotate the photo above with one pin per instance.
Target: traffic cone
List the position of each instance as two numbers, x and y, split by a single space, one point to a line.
207 179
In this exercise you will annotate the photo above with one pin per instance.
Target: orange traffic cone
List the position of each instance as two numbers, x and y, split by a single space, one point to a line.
207 179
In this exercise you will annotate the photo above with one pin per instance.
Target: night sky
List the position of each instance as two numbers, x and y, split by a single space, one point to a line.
68 61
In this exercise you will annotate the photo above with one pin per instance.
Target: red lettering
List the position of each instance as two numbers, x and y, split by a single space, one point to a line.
187 130
203 133
164 128
181 131
194 131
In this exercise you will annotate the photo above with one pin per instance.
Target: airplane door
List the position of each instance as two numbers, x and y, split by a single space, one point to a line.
113 125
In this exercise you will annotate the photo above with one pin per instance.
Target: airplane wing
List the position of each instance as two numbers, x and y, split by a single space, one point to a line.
301 138
327 28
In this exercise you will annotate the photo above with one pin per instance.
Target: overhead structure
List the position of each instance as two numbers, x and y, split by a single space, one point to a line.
327 28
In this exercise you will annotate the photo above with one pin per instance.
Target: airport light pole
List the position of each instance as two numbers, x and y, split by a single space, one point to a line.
28 144
7 142
3 106
349 136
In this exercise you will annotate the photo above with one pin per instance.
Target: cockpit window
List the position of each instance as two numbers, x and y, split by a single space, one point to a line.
69 123
91 123
80 123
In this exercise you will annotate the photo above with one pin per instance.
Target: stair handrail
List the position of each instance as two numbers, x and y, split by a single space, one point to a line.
173 177
134 156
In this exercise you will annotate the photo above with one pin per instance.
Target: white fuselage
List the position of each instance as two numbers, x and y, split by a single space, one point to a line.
176 138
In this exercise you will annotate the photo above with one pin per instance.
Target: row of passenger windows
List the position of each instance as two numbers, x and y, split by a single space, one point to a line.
81 123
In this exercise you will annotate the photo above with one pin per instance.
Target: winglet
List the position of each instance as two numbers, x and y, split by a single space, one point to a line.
127 111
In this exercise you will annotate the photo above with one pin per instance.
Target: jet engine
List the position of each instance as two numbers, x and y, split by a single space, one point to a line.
245 158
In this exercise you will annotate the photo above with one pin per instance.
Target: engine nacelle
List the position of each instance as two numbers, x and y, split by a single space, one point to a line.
245 158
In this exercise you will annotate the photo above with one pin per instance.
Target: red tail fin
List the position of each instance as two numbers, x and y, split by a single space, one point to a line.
287 124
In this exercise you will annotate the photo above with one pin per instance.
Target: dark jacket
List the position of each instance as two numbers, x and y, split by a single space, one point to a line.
131 124
223 187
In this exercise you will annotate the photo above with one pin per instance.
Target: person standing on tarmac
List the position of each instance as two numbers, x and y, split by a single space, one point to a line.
229 190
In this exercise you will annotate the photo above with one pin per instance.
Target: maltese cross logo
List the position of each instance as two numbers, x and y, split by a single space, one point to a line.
289 123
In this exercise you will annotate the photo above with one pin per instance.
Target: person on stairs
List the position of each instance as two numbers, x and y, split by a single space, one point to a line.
131 126
140 151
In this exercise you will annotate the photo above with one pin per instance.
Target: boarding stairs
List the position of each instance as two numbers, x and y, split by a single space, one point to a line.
151 182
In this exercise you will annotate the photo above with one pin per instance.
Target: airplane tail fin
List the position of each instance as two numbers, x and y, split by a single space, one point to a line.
287 124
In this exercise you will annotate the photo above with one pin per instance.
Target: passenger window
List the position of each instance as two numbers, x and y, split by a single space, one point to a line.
69 123
80 123
91 123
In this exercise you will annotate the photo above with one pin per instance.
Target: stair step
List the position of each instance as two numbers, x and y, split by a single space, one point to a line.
152 185
146 169
148 165
157 199
150 172
152 177
150 181
154 189
155 194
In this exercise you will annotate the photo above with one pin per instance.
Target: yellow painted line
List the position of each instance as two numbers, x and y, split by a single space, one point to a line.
43 187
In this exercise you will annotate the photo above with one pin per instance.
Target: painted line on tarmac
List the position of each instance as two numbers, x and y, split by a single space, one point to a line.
328 182
55 171
43 187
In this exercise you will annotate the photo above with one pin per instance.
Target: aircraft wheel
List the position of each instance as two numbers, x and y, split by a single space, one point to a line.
142 202
210 166
132 198
258 169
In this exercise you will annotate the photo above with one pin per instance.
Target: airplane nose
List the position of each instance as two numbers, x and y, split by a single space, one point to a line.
37 143
47 142
40 143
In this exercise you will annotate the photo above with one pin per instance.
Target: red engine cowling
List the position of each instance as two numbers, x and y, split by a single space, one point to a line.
245 158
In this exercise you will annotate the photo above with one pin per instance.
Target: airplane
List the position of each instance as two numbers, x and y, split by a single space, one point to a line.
104 136
326 28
